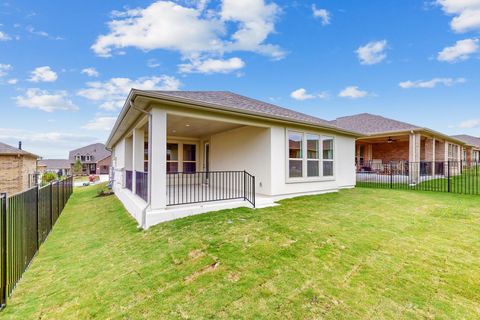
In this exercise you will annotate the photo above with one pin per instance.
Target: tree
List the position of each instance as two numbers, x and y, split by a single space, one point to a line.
48 177
77 167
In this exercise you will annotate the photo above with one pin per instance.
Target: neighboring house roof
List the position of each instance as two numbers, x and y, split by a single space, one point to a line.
368 124
371 125
470 140
6 149
221 101
97 150
55 163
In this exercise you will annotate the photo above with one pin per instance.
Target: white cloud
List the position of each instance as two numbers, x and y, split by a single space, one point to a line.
4 36
322 14
4 69
193 31
91 72
301 94
100 124
35 98
50 144
152 63
112 93
352 92
429 84
43 74
462 50
469 124
12 81
32 30
466 14
212 66
372 53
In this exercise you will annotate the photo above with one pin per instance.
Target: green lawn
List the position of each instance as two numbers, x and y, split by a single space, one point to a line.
361 253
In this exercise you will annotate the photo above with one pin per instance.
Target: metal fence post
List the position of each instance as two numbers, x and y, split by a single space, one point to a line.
3 251
51 206
391 176
244 185
448 175
36 215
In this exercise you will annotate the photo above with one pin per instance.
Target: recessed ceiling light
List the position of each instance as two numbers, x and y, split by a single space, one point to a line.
174 131
187 125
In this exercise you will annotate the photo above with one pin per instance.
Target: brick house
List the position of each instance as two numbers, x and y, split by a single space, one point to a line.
95 159
471 150
17 169
390 141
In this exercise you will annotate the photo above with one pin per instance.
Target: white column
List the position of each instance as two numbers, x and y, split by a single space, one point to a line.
158 147
414 157
138 154
434 156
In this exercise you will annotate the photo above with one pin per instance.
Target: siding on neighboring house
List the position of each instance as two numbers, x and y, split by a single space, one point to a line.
103 166
15 171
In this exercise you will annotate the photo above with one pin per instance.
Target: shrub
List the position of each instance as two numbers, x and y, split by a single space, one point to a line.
49 177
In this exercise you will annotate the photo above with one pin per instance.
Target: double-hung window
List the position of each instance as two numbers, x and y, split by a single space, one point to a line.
181 157
310 156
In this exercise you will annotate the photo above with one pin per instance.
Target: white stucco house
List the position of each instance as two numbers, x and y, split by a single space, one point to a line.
179 153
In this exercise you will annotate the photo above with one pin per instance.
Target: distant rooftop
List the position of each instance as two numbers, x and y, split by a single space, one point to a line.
470 140
55 163
97 150
367 123
6 149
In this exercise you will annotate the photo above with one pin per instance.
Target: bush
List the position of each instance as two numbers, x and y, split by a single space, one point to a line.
49 177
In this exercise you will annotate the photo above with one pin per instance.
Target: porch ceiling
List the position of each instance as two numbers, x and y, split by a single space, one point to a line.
398 138
190 127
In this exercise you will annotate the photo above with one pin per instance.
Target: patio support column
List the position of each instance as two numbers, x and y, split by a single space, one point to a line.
137 159
128 158
430 154
158 147
414 157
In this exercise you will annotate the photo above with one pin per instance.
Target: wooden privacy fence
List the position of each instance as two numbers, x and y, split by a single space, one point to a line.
26 219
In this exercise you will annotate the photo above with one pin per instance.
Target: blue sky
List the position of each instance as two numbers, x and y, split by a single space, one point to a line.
66 66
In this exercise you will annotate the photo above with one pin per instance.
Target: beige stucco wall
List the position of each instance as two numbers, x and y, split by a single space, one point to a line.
245 148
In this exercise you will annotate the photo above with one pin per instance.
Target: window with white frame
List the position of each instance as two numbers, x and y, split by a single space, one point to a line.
310 155
181 157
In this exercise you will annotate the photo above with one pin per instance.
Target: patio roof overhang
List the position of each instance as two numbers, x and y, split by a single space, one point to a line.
143 100
425 131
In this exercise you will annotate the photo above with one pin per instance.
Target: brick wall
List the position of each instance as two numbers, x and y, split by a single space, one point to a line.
439 151
14 173
390 151
107 162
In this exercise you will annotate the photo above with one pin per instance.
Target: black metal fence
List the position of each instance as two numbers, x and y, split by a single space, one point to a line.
442 176
26 219
141 184
196 187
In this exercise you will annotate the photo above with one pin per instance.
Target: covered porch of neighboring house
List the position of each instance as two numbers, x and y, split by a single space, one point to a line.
176 163
415 156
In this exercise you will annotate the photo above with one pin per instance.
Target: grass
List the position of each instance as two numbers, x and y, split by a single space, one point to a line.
466 183
360 253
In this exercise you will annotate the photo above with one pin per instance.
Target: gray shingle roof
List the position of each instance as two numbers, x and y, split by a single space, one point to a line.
367 123
6 149
471 140
55 163
97 150
239 102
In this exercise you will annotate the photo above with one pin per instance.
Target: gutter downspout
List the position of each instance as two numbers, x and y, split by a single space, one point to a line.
143 223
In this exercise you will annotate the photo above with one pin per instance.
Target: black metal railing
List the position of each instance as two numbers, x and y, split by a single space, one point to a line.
141 184
443 176
128 179
26 219
196 187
